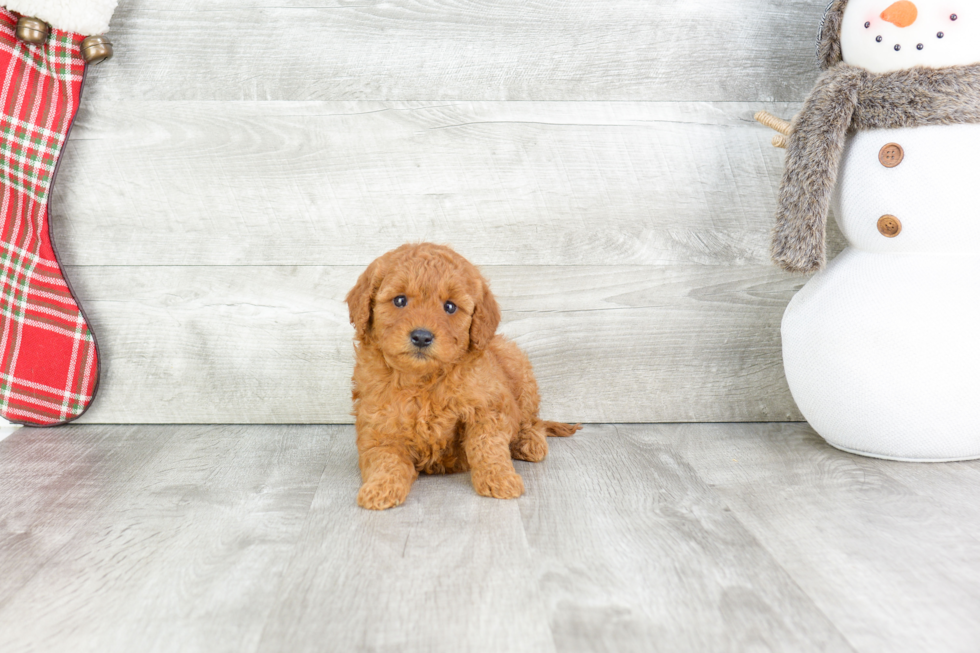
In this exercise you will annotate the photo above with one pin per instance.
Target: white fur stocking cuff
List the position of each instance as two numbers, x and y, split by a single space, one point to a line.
86 17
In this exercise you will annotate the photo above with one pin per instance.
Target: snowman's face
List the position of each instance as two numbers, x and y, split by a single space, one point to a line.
883 36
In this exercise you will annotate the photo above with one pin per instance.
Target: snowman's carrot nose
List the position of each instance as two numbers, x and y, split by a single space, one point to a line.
901 13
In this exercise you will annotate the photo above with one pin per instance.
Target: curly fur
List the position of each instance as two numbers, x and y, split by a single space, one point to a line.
848 98
469 401
85 17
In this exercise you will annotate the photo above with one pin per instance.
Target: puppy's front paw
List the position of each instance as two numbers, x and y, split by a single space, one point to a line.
381 495
499 484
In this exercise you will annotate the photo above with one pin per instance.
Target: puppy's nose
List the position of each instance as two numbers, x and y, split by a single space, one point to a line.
422 338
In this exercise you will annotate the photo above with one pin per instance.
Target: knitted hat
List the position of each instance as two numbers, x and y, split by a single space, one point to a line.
86 17
828 41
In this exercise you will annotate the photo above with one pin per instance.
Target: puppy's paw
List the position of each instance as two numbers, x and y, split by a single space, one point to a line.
381 495
499 484
530 446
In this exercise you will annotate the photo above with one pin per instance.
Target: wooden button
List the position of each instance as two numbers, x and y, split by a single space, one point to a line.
889 226
891 155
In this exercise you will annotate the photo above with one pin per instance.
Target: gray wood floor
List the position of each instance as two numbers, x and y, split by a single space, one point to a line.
630 538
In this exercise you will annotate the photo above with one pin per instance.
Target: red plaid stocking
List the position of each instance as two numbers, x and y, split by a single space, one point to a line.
48 362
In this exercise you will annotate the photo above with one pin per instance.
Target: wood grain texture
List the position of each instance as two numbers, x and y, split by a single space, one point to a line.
339 183
273 344
953 488
7 429
702 538
236 165
448 571
890 552
181 552
634 552
462 50
51 482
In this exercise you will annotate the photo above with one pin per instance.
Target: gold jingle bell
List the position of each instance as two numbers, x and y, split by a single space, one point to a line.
32 30
96 49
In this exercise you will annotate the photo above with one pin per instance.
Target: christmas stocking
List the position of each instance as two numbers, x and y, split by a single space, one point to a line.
49 366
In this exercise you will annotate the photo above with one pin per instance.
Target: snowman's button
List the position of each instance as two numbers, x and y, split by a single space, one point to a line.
891 155
889 226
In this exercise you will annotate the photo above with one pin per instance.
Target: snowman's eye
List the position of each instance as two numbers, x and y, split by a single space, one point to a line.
897 47
919 47
953 17
940 35
878 39
867 25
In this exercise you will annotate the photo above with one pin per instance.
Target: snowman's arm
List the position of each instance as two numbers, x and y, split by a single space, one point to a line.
784 128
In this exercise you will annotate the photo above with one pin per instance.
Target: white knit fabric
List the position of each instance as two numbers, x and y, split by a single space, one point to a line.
933 191
959 45
882 349
86 17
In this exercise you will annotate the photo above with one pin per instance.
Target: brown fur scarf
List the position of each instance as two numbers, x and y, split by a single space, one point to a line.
846 99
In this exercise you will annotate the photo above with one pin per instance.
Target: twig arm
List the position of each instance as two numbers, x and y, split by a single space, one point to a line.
774 123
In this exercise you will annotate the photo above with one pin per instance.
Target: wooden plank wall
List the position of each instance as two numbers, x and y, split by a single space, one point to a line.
239 162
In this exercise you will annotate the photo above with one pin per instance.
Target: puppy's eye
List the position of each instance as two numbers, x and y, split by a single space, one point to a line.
401 301
450 307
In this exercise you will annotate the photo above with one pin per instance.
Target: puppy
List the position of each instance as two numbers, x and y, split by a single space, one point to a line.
435 390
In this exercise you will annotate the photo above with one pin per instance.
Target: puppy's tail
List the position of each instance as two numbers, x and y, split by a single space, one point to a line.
560 430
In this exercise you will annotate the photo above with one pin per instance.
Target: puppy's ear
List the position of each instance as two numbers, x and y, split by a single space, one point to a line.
360 300
486 319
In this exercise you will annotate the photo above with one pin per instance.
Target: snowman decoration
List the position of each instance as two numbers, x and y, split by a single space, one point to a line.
881 347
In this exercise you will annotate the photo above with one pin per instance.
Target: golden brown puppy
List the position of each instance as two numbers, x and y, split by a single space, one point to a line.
435 390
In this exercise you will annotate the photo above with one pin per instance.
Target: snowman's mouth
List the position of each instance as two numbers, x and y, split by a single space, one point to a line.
903 21
898 47
919 46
